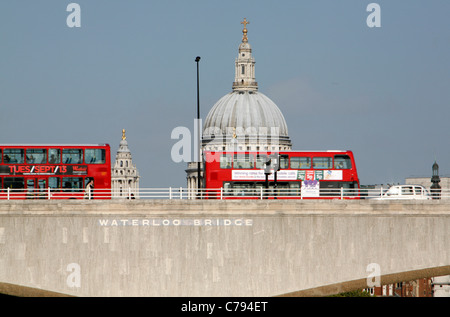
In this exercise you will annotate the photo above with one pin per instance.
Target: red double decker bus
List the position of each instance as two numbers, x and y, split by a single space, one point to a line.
301 174
54 171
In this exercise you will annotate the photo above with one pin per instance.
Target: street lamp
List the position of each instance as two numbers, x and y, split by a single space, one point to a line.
272 162
197 60
435 180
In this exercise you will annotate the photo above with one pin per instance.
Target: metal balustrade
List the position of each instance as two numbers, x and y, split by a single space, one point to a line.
216 193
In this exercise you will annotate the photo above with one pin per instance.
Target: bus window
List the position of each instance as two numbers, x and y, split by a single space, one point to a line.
239 189
332 188
72 156
36 156
95 156
42 184
286 188
300 162
342 162
261 160
242 189
54 182
225 161
14 182
243 161
227 189
1 157
54 156
284 161
72 184
322 162
13 156
88 179
294 188
30 188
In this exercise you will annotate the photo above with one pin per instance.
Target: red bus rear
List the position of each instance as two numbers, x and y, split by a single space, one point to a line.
324 174
54 171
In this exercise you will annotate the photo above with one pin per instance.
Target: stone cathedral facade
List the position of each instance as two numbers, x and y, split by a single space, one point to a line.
124 174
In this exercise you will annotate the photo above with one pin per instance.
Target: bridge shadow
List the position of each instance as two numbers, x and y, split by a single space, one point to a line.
24 291
349 286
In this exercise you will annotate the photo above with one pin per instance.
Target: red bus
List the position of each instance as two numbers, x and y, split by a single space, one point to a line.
312 174
54 171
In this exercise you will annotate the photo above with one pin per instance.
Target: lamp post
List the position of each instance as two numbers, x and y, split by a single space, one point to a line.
197 60
272 162
435 179
267 172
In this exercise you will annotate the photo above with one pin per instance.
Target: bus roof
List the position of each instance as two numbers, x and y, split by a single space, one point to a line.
58 145
273 151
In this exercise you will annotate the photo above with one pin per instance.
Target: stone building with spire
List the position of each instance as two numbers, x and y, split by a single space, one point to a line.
124 174
244 119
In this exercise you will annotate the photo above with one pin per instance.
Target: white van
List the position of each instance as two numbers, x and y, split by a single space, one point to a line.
406 192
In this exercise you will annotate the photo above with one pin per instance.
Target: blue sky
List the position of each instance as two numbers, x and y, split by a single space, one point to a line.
381 92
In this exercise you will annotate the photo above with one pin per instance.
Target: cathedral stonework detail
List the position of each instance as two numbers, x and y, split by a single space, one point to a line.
124 174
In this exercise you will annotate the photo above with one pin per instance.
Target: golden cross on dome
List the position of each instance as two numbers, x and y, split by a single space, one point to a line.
244 38
123 135
245 22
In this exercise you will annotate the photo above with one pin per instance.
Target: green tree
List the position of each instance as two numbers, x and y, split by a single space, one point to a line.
356 293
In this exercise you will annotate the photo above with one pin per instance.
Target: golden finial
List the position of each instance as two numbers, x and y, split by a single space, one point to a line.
123 135
244 31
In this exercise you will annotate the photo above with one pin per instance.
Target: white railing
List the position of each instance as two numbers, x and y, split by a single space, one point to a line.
184 193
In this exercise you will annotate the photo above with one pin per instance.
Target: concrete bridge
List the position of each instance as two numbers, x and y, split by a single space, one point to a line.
218 248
